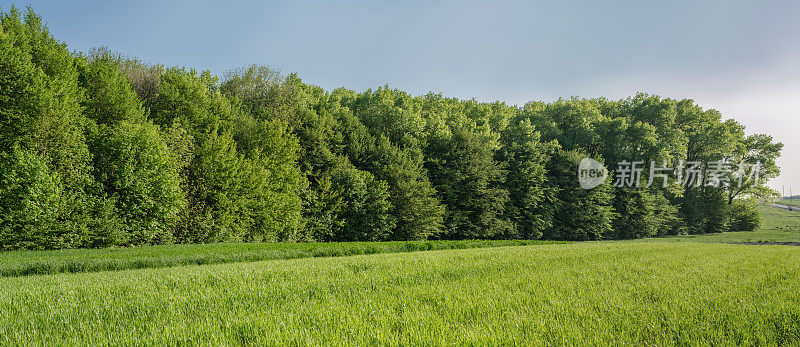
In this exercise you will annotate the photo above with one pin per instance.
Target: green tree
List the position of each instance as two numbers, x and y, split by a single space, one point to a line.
577 213
753 164
41 113
347 204
417 211
470 183
110 98
365 206
389 112
41 98
704 207
643 212
31 203
525 157
140 174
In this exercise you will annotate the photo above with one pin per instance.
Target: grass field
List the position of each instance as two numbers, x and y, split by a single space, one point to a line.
602 292
658 291
790 202
22 263
777 225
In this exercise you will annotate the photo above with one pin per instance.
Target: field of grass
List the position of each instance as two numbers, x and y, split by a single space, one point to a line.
596 293
683 290
777 225
22 263
790 202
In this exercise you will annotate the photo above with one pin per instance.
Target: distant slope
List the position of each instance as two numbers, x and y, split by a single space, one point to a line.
777 225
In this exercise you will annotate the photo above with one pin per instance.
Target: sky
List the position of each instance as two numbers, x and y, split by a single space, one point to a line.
739 57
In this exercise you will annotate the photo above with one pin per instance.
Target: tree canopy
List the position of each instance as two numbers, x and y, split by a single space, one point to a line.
99 149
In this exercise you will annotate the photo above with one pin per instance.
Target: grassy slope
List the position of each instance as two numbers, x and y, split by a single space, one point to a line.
790 202
21 263
581 293
777 225
658 291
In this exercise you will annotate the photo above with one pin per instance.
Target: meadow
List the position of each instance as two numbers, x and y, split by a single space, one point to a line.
777 226
655 291
790 202
23 263
602 292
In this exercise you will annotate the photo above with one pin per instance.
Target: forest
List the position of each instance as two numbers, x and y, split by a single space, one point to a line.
100 149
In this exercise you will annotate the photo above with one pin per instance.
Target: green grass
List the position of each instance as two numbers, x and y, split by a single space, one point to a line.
22 263
790 202
684 290
581 293
777 225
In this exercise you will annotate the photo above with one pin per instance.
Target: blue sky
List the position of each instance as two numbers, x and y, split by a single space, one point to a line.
740 57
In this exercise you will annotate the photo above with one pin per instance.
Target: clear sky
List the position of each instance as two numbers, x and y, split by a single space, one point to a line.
740 57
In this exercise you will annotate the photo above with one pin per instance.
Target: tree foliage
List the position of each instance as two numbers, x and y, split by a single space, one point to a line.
100 149
141 175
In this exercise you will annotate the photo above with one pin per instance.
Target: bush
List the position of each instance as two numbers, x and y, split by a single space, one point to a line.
743 216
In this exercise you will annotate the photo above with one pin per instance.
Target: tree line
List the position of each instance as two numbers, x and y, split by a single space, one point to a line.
99 149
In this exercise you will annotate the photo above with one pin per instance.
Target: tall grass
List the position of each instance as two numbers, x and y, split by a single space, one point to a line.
23 263
606 293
